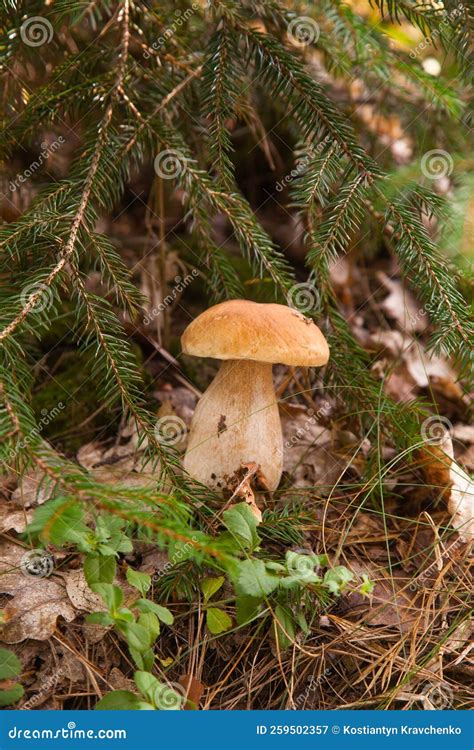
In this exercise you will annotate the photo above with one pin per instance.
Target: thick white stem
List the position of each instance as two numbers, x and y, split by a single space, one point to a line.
236 421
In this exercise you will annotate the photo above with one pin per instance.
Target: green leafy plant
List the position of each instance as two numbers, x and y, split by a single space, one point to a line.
10 667
263 583
141 627
217 619
227 86
154 696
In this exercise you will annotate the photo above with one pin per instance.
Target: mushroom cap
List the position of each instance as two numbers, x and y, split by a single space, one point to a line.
263 332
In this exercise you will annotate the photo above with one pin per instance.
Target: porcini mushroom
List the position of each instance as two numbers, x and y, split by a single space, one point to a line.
237 420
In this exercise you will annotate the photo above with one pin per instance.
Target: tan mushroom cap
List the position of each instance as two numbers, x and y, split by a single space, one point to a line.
240 329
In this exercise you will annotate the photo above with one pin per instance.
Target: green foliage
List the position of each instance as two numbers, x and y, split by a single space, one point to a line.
230 66
210 586
242 525
222 70
155 696
217 620
139 622
337 579
367 586
10 667
284 627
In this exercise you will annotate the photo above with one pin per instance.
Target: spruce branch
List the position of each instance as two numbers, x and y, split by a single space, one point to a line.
253 240
430 276
220 94
69 247
343 216
315 112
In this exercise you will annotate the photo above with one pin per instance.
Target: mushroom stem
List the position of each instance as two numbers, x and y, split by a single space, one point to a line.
236 421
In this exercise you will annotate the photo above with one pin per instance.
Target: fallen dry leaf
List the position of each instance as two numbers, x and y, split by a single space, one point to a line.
183 401
241 486
79 593
407 368
309 452
463 432
424 367
391 602
14 519
400 305
121 464
34 489
467 458
36 602
59 670
118 681
194 690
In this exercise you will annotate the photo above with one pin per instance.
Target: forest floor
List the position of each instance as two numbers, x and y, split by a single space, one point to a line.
404 645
